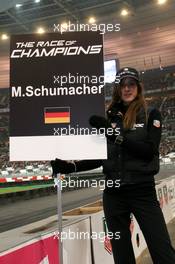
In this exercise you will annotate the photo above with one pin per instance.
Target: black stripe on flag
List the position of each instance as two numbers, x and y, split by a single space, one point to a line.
56 109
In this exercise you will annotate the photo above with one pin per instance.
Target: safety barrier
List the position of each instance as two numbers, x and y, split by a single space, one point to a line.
88 220
43 249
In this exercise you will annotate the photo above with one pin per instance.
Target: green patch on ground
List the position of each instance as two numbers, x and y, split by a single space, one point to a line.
23 188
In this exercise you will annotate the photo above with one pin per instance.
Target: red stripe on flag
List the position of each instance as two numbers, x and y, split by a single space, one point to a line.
63 114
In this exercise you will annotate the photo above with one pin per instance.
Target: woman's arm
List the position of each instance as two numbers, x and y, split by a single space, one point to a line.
84 165
65 167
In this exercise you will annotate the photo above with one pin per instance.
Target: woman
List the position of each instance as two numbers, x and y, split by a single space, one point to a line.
133 160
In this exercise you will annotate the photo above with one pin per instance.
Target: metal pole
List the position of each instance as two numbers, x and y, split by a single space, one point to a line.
59 213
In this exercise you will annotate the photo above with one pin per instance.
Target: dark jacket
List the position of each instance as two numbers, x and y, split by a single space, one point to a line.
136 160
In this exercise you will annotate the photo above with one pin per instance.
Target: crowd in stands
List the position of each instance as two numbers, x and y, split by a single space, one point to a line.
167 146
165 102
158 78
168 111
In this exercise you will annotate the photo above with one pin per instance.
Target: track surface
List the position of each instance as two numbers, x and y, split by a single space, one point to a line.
165 172
28 211
25 212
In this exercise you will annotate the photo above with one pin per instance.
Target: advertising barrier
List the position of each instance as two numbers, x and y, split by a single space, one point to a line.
162 195
171 195
88 228
44 249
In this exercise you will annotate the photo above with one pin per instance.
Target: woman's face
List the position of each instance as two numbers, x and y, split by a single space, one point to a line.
129 90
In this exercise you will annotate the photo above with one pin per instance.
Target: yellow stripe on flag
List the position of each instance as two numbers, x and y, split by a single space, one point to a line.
52 120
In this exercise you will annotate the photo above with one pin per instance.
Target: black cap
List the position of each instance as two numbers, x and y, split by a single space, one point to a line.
127 72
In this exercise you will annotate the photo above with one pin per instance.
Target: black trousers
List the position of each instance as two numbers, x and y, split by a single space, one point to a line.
140 200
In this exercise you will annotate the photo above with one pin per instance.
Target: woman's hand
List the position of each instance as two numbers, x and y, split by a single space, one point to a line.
62 166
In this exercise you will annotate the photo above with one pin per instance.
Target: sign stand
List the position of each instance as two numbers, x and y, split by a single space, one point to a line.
57 181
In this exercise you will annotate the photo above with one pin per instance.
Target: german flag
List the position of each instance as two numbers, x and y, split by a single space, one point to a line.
53 115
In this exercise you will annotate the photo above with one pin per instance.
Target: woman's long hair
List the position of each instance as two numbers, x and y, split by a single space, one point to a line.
134 107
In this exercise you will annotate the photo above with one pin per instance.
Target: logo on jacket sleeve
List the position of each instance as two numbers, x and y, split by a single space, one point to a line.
113 125
137 126
156 123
